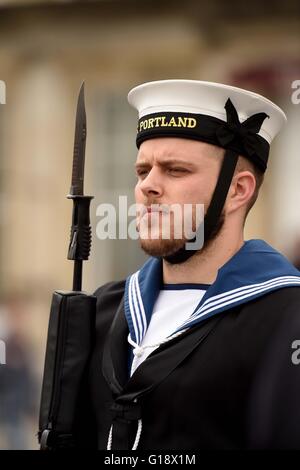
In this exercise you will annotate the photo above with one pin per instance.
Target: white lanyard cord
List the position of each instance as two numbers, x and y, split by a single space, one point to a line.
137 437
139 350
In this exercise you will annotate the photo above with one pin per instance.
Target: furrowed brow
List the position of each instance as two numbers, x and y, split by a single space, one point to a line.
175 161
164 163
141 164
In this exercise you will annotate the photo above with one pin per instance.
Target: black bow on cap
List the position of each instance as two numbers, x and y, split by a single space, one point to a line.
243 134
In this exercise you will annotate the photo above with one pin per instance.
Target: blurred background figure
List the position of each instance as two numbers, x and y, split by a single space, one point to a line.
18 384
46 49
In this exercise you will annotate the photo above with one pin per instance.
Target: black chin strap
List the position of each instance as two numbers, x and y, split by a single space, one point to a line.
214 210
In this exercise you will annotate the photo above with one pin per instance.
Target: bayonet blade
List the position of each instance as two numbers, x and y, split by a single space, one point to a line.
79 147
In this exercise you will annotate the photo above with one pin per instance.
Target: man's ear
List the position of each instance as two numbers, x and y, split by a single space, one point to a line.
241 191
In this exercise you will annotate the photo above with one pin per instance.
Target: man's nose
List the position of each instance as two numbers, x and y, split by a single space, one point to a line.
152 183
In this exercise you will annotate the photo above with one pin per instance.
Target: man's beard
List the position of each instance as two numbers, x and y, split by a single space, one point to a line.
167 247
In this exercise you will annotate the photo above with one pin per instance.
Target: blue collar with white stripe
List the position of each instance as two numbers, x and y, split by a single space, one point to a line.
252 272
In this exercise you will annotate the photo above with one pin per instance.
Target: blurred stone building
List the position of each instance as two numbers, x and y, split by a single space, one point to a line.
48 47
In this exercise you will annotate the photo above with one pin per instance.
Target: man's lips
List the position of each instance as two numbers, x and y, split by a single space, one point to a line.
154 208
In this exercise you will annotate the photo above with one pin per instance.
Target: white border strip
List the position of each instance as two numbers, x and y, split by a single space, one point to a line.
251 294
235 293
132 309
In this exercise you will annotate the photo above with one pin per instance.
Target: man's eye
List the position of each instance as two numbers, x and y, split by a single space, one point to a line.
141 173
178 170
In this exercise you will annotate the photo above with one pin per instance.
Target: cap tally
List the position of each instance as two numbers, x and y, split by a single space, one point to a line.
222 115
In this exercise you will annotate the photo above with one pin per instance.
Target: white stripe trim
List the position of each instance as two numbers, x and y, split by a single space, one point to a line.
132 310
140 301
136 309
239 290
251 294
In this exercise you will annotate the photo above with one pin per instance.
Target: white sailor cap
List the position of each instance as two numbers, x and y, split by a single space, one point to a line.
223 115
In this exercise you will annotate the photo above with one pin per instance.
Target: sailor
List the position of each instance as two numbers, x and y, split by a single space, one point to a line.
193 349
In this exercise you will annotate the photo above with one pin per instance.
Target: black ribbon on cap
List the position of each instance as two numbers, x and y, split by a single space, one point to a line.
242 134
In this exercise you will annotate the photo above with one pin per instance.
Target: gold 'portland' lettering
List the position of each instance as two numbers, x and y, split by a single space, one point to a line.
182 121
172 123
150 123
161 121
192 122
